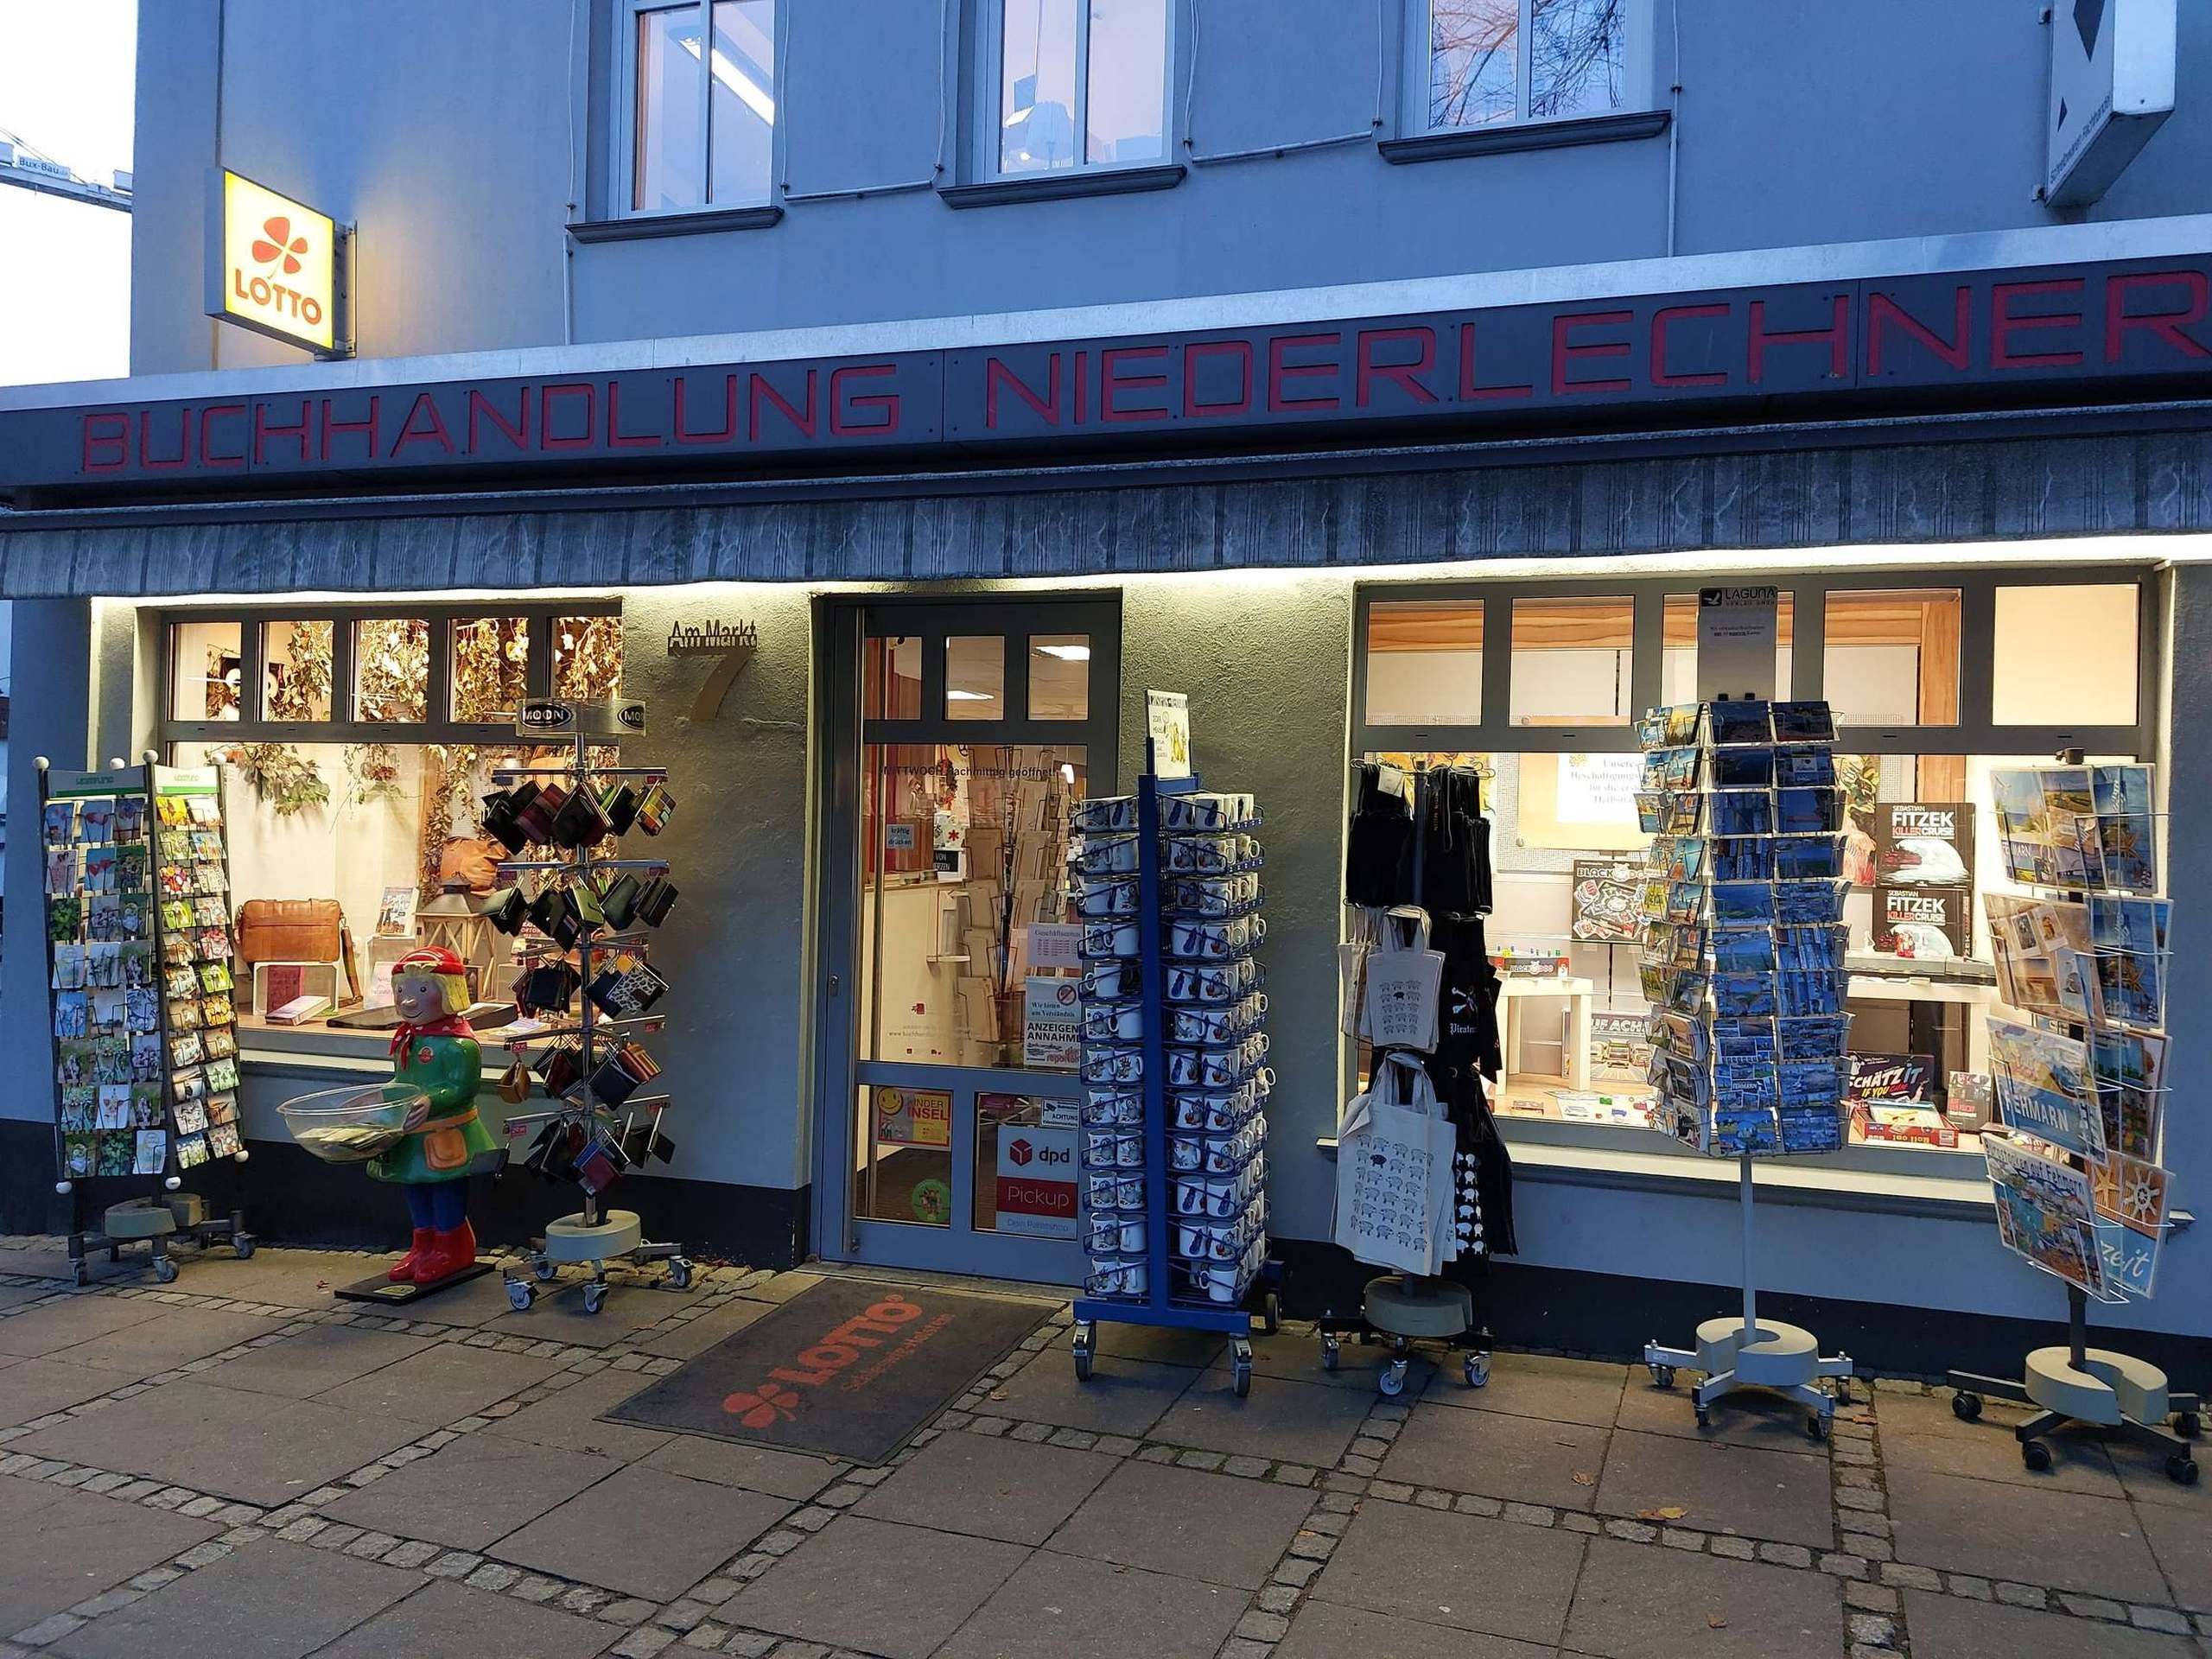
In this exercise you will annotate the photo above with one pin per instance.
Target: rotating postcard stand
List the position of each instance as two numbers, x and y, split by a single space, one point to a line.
2080 1190
1744 965
1174 1202
137 941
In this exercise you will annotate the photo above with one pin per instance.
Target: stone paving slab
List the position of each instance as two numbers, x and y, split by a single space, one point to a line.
1525 1458
36 1387
795 1475
450 1620
1921 1432
1722 1487
439 1385
1215 1527
879 1586
473 1493
265 1600
40 1330
1638 1603
694 1337
1944 1627
303 1366
1997 1530
569 1419
558 1315
1065 1607
1007 1489
252 1448
174 1337
56 1553
1323 1631
2181 1541
644 1532
1461 1571
1302 1421
1537 1385
1124 1397
1751 1418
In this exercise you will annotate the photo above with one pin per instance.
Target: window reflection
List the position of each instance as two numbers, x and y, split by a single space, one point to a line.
665 141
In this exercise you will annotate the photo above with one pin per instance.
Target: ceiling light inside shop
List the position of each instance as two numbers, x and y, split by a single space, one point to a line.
957 694
1065 653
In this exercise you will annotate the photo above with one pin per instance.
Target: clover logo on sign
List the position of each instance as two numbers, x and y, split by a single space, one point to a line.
760 1407
276 242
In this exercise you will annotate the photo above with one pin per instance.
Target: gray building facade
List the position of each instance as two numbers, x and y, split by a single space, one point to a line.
1387 372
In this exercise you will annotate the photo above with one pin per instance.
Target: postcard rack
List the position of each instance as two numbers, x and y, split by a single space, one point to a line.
2079 1189
1175 1212
1744 967
598 1110
139 951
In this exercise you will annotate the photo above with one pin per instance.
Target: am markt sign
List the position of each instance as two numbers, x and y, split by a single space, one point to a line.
1965 337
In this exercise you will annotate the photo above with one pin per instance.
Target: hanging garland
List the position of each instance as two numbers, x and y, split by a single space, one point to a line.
285 779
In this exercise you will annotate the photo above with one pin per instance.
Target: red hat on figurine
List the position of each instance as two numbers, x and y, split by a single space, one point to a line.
432 958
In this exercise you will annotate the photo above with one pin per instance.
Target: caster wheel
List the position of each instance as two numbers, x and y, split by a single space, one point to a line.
1816 1426
595 1296
1704 1417
1240 1369
80 1274
164 1270
2188 1425
1967 1407
1842 1392
544 1268
520 1294
1474 1369
1081 1344
241 1246
2036 1455
1332 1353
1271 1313
1391 1379
2181 1468
1663 1376
679 1274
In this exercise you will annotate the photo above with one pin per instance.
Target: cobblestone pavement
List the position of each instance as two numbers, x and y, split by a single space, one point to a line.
238 1464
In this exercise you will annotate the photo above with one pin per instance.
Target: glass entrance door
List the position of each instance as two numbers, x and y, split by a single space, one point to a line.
963 735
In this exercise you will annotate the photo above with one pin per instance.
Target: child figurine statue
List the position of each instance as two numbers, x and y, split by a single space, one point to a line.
434 1050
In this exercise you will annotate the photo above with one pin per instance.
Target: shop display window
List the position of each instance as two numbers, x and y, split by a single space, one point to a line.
1942 682
376 806
974 677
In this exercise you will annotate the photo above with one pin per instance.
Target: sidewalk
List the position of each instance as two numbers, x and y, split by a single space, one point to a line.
236 1465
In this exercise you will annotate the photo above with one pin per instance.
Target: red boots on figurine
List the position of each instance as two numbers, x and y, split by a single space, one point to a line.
435 1256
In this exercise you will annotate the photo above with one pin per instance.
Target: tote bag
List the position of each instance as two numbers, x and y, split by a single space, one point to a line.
1394 1172
1352 970
1404 980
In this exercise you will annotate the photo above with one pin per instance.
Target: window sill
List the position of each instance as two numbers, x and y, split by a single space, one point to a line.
1100 182
645 225
1531 135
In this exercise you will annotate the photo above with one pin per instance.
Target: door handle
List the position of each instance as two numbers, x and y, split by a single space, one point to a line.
833 984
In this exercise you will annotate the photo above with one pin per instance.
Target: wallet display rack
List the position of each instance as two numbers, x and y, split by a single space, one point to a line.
1174 1176
602 1122
137 930
1744 970
2081 1088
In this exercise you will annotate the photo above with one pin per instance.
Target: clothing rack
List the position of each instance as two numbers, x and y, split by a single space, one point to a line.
1157 1306
1410 1307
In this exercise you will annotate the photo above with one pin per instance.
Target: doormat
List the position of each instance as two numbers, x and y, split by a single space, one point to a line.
845 1368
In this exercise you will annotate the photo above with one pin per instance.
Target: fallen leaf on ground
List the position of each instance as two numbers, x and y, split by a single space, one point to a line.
1669 1512
1581 1479
1714 1622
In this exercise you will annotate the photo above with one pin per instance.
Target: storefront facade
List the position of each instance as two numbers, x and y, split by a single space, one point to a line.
892 593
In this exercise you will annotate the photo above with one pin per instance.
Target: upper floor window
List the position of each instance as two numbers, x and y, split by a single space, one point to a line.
1480 63
701 127
1077 83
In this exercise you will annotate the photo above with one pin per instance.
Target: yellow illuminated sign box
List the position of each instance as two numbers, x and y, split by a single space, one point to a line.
276 266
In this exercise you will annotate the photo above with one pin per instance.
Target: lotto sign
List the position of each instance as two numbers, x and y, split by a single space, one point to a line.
275 265
1036 1181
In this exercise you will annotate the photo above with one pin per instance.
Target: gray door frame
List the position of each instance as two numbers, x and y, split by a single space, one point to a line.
840 1071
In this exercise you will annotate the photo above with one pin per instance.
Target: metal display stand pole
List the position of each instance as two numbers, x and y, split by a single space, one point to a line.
1157 1307
592 1236
2077 1383
1408 1307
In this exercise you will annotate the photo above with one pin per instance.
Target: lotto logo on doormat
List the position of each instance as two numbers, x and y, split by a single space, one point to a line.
830 1359
845 1368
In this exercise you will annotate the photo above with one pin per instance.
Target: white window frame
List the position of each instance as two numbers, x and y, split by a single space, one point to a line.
1638 92
990 57
622 180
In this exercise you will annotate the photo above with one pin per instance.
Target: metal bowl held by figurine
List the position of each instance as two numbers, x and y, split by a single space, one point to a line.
353 1124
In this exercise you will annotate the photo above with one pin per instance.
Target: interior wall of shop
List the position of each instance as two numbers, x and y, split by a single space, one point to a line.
455 133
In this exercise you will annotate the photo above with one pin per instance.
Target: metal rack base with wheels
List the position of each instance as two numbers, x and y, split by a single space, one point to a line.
591 1239
1401 1310
155 1223
2094 1388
